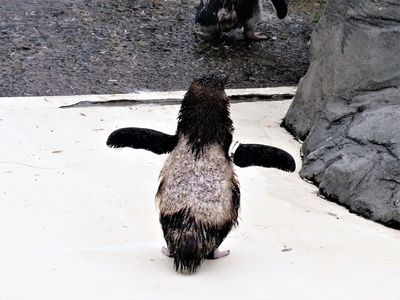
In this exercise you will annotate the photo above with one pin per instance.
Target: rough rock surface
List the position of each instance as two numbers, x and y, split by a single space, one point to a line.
347 108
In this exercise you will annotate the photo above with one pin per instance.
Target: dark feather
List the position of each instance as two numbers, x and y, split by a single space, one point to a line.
204 115
187 239
142 138
208 12
248 155
280 8
237 12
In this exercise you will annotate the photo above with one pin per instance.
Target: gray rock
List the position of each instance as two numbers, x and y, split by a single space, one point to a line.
347 108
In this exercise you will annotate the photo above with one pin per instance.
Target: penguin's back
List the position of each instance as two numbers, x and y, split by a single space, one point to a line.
203 185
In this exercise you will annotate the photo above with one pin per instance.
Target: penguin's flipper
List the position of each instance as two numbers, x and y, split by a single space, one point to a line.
280 8
248 155
142 138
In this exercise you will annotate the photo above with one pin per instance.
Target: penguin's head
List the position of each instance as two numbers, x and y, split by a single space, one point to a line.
207 92
212 81
204 115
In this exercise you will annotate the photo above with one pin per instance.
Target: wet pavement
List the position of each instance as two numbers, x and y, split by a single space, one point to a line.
100 47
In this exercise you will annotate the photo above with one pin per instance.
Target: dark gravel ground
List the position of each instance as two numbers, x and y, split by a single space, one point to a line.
69 47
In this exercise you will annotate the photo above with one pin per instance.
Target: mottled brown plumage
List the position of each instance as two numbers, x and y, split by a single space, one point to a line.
198 195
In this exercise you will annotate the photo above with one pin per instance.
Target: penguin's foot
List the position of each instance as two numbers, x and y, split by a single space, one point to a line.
218 254
165 251
255 36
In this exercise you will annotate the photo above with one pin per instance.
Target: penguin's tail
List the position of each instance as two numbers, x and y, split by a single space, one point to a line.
280 8
189 251
188 241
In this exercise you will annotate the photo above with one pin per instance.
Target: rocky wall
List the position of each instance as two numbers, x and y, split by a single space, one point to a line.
347 108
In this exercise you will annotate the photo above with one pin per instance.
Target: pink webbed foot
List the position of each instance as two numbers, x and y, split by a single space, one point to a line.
218 254
255 36
165 251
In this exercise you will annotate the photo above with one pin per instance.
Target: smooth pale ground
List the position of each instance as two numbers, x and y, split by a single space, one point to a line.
78 219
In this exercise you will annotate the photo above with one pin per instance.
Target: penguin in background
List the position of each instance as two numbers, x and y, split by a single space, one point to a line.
198 195
217 16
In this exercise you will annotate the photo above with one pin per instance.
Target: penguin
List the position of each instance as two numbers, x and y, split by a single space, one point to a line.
216 16
198 197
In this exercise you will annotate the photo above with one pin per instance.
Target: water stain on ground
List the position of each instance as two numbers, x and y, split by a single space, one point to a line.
70 47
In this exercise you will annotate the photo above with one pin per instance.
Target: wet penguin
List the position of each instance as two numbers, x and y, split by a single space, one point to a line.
216 16
198 195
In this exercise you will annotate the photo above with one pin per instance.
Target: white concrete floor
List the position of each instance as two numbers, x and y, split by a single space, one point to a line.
78 220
